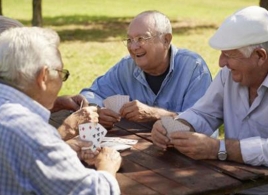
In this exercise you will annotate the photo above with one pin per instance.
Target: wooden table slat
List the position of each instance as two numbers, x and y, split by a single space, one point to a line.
148 170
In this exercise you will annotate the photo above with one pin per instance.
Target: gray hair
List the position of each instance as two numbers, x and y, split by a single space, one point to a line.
247 51
161 22
24 51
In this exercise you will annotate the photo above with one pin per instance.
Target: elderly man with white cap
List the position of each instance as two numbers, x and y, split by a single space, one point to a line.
237 98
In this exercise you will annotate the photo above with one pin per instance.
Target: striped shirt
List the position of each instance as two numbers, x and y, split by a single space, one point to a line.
33 157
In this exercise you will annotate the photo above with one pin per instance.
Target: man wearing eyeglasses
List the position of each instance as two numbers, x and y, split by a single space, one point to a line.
33 157
160 79
77 104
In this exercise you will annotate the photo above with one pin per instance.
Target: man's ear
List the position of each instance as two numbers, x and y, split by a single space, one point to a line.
42 78
168 38
262 56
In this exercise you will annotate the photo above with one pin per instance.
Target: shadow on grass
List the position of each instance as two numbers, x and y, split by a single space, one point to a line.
102 28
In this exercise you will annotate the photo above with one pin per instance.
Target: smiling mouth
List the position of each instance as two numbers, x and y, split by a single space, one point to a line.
140 55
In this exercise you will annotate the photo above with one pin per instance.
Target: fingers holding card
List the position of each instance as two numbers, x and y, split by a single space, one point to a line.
93 132
172 125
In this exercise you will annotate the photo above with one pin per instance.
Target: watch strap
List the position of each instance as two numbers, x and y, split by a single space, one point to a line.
222 146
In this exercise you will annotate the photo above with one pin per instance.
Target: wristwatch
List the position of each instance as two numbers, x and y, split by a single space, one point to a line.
222 154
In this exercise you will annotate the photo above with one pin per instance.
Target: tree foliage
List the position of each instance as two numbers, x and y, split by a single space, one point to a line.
1 12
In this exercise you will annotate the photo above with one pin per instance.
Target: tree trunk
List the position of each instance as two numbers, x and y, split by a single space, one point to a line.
264 4
37 13
1 12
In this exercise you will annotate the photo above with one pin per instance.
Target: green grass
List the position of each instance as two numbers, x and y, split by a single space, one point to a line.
91 30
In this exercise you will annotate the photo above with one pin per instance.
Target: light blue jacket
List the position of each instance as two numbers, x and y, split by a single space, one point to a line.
187 80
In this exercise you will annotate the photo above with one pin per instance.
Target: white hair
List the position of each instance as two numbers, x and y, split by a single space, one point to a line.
247 51
161 22
24 51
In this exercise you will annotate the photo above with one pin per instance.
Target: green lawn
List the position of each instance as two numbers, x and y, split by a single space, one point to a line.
91 30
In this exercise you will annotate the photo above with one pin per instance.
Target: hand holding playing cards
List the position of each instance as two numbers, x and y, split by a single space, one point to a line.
77 145
69 128
108 117
159 135
108 160
137 111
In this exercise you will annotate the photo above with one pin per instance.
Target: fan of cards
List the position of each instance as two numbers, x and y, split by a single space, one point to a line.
115 102
95 133
172 125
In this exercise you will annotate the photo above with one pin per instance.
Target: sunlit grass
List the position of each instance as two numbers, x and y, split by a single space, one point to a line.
91 30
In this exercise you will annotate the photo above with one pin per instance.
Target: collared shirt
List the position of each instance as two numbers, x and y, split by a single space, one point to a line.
226 100
187 80
33 157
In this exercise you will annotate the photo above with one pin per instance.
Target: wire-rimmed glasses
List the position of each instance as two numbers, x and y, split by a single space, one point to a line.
64 74
141 40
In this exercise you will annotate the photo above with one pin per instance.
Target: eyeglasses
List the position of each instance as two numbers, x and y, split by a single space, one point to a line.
64 73
138 40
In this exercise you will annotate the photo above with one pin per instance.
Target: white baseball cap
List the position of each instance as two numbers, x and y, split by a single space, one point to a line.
245 27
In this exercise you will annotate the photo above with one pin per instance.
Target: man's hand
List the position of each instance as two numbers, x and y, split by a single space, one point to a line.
139 112
159 135
69 103
83 154
107 117
195 145
69 128
108 160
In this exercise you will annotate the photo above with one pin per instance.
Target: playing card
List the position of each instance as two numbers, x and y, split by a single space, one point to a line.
115 102
120 140
92 132
172 125
116 146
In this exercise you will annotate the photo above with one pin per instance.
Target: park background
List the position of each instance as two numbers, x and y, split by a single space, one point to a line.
91 31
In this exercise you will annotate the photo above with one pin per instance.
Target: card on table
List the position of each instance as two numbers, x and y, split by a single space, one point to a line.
115 102
116 146
92 132
118 143
172 125
120 140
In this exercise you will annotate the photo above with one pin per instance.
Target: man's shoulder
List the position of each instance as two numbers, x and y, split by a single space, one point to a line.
187 57
126 63
187 53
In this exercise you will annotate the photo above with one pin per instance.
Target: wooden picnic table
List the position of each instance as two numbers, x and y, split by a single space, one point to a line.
148 170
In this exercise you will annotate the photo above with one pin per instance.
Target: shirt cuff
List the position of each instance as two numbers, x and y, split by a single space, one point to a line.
251 150
115 189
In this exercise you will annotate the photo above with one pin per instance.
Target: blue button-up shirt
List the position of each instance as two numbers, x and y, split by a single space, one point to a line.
187 80
33 157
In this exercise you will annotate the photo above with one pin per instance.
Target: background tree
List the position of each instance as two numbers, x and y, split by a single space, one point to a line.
1 13
264 3
37 13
